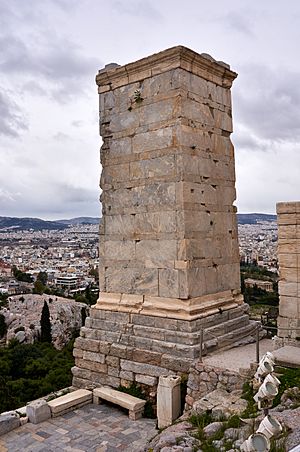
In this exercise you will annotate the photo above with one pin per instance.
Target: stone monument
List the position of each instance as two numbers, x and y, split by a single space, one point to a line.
288 218
169 256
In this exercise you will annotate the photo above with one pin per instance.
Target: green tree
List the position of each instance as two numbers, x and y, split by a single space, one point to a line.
3 327
42 277
95 273
39 287
46 335
21 276
83 316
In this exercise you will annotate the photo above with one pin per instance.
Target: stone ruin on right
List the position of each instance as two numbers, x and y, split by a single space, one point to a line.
288 218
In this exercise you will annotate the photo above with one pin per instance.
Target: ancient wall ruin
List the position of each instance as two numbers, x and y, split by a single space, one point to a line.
288 217
169 257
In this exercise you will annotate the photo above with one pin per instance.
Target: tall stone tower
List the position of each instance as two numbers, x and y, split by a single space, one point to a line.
288 218
169 257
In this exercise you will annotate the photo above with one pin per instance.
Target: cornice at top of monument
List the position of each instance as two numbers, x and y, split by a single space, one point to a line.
176 57
288 207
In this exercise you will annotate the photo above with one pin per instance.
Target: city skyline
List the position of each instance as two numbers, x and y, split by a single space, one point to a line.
52 50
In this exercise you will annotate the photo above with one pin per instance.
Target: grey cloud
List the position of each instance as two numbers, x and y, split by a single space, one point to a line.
6 196
43 61
62 199
33 87
77 123
268 103
52 61
60 136
245 140
239 22
12 122
138 8
78 195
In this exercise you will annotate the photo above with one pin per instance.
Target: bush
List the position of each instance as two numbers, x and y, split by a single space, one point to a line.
30 371
136 391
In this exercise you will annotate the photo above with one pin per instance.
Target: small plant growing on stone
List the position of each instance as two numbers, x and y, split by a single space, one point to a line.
137 97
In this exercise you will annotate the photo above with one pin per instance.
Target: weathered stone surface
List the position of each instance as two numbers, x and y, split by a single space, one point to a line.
169 260
204 379
289 265
9 421
176 437
69 402
96 357
146 380
213 428
142 368
221 403
38 411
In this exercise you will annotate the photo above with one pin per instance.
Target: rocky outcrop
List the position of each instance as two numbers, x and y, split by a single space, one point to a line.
221 403
23 315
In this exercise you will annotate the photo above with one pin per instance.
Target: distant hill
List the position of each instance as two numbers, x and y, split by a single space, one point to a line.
37 224
80 220
9 223
254 218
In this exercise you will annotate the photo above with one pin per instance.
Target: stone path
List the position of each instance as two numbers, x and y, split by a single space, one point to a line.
238 357
99 428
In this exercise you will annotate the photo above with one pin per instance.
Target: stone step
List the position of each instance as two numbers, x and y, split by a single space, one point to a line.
226 340
226 327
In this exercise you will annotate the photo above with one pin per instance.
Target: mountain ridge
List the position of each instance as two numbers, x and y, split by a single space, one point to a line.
25 223
255 218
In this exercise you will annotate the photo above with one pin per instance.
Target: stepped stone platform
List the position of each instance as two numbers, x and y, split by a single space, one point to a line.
118 348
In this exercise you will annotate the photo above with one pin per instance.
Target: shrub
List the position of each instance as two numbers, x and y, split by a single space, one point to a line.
136 391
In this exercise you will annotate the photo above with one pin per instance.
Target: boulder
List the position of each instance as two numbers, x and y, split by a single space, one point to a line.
20 336
213 428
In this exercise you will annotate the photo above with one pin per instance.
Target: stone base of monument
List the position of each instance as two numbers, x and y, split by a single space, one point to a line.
120 346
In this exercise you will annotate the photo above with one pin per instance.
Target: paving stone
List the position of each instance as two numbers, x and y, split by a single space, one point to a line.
90 428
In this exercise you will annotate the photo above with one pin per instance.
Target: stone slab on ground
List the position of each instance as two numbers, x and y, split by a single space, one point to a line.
239 357
92 428
288 356
68 402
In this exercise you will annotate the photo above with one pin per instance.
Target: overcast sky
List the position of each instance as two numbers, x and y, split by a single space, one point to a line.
51 51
